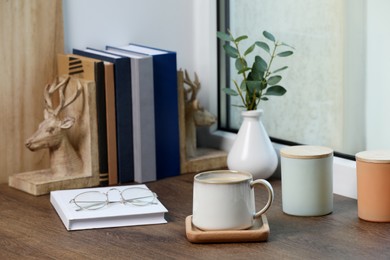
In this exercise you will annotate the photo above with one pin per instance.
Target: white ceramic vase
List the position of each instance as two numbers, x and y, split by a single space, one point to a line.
252 150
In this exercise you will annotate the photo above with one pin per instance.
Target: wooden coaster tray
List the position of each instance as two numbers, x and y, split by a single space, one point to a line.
257 233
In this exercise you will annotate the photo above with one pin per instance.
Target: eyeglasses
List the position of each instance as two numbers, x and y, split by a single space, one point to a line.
92 200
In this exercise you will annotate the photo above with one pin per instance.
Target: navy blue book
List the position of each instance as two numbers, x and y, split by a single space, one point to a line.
166 109
124 114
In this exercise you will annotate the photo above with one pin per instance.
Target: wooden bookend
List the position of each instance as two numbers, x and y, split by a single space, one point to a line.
192 115
69 131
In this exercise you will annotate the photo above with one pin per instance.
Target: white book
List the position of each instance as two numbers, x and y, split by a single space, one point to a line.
112 215
142 49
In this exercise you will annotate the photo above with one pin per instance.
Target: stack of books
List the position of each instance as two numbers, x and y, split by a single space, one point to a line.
137 110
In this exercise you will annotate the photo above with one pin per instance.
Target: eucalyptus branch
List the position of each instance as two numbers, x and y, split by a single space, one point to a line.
239 56
253 104
243 74
260 83
239 91
267 73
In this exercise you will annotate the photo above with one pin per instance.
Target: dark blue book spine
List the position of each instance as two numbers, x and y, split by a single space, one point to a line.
166 115
124 118
101 121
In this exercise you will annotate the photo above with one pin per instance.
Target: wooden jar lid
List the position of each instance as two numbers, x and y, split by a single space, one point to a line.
379 156
306 152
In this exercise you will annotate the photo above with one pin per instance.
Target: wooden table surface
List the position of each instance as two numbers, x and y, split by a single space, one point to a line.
30 228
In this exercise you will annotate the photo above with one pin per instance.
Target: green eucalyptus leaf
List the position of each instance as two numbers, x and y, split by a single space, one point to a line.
230 92
264 98
243 70
263 45
224 36
263 85
243 86
257 72
275 91
260 64
269 36
285 44
238 39
255 75
252 75
253 85
240 64
231 51
280 69
285 54
250 49
274 80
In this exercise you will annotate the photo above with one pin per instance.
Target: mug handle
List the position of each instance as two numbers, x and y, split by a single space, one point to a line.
270 195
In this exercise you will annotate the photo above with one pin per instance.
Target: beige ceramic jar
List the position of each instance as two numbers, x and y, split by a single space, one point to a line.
307 180
373 185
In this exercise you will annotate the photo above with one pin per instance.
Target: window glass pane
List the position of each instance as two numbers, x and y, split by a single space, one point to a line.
323 74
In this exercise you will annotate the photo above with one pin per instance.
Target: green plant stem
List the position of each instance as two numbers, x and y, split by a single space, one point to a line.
267 73
253 105
271 60
239 91
244 74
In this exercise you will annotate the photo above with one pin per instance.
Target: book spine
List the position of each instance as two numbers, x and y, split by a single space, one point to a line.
101 122
143 115
111 124
166 115
124 113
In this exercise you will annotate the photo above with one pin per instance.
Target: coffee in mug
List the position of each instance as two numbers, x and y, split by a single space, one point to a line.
224 200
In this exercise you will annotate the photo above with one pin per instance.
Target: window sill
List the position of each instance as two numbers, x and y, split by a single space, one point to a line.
344 170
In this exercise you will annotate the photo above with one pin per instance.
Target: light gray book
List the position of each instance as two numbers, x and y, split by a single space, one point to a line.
143 114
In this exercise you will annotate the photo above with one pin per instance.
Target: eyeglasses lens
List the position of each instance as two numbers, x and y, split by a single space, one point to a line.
91 200
138 196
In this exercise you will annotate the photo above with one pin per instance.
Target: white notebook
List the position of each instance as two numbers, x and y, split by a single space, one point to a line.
112 215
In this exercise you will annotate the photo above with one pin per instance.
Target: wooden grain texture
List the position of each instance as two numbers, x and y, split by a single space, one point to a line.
376 156
31 33
81 139
30 227
259 232
306 152
204 158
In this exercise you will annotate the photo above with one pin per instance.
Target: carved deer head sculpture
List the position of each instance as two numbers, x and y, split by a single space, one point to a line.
52 132
195 114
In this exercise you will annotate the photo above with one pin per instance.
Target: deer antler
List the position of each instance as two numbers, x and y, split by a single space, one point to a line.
63 103
50 89
194 88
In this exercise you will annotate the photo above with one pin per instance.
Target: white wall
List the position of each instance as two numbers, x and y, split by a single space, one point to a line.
164 24
187 27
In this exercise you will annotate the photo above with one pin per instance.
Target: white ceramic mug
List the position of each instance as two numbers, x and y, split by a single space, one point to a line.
224 200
